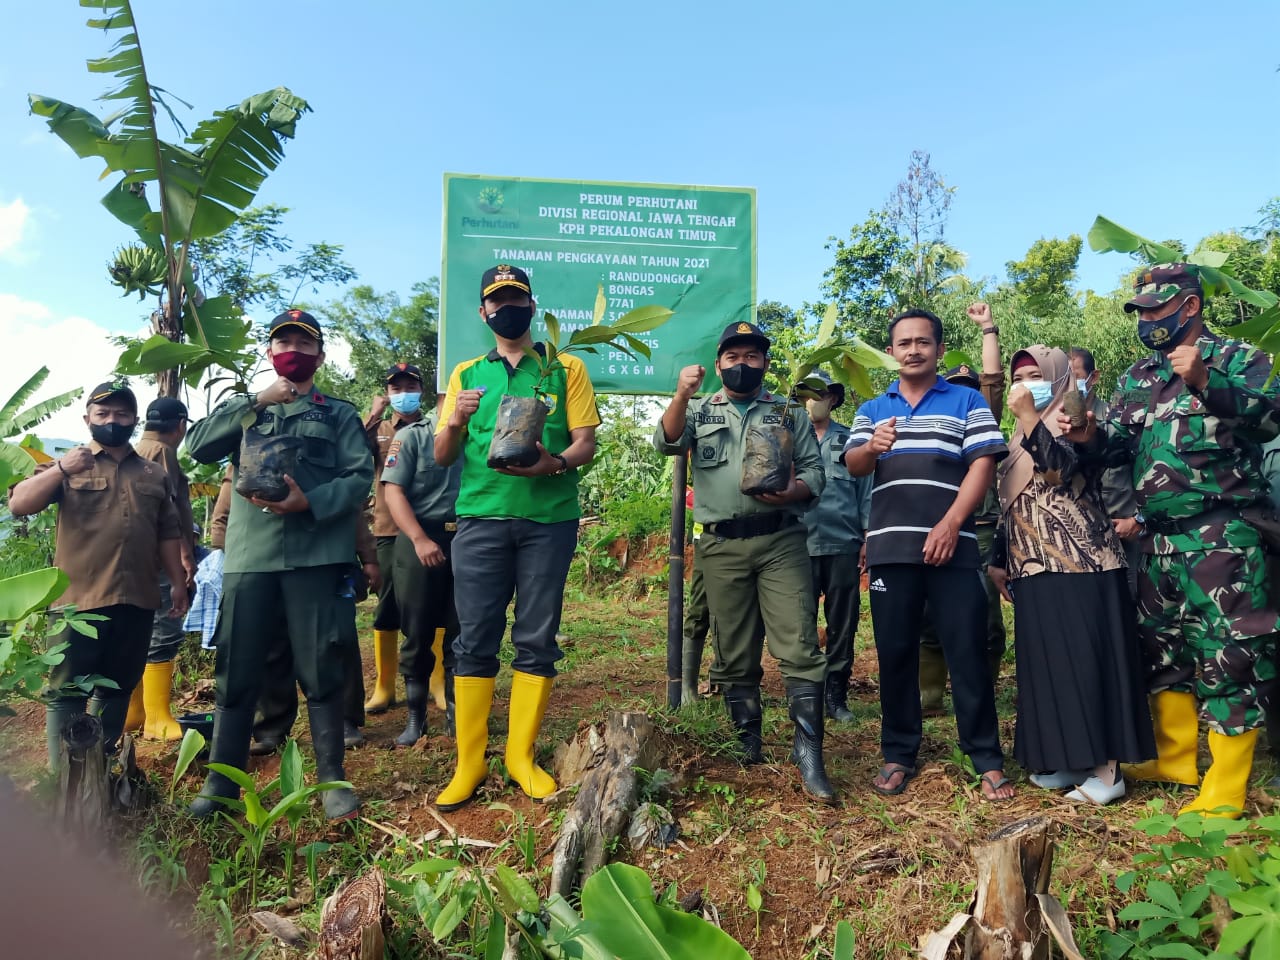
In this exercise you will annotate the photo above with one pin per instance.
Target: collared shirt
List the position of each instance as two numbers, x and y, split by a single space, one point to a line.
335 470
1195 451
715 431
203 615
381 432
111 519
916 482
837 521
432 490
152 448
571 402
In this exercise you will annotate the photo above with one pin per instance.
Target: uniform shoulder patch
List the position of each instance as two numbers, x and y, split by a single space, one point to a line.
393 454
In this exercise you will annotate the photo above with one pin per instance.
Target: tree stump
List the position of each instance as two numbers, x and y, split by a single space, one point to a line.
1013 869
351 923
84 795
605 802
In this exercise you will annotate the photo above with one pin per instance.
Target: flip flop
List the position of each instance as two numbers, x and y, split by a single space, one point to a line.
888 772
989 779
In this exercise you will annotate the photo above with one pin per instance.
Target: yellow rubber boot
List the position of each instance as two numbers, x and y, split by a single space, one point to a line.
473 698
436 684
386 661
1227 780
157 686
1177 726
529 695
137 714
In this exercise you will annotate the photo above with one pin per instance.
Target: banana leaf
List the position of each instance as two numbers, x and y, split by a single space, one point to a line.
29 592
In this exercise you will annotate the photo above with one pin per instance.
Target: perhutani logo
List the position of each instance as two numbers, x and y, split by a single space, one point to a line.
878 586
491 199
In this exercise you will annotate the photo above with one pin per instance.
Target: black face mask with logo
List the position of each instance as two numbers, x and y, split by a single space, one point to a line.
510 321
1164 334
742 378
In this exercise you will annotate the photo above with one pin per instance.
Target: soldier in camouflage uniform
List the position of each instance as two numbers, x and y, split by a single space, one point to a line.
1191 419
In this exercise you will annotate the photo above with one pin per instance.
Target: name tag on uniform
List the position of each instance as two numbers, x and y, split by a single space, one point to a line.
316 415
787 422
711 418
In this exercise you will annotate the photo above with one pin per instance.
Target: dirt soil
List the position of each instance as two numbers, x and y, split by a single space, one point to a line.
895 867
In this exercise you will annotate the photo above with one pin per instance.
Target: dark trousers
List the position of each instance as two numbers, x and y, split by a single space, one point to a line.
118 652
996 638
277 710
898 593
425 599
387 614
166 631
494 560
835 580
304 605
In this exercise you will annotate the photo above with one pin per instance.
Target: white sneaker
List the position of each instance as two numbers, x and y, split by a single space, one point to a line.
1095 791
1059 779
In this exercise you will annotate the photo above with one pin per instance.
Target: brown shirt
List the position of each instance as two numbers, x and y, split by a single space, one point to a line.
152 448
366 547
380 432
111 520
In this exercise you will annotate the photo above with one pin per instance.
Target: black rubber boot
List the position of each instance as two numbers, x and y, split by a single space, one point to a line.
691 665
838 699
326 740
747 713
416 696
57 714
266 744
806 748
450 728
351 735
231 730
110 712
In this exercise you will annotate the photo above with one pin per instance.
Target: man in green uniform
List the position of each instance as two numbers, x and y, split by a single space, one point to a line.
1191 419
836 526
287 560
752 552
117 528
421 496
517 531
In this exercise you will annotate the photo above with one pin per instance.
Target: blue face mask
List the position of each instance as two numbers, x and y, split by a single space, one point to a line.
1082 386
406 403
1041 392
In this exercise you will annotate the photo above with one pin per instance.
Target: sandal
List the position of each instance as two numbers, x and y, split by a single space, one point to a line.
992 782
887 773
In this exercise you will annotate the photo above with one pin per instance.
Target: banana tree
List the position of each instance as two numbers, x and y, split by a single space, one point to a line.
18 460
1263 331
849 357
200 185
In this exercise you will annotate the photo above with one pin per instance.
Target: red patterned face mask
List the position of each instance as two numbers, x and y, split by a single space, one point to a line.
294 366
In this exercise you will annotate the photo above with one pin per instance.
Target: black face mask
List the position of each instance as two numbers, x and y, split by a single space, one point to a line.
742 378
1164 334
510 322
111 434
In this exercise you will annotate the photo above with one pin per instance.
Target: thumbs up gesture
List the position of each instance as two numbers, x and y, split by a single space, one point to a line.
885 437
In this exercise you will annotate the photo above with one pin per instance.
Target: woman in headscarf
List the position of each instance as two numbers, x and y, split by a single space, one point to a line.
1082 705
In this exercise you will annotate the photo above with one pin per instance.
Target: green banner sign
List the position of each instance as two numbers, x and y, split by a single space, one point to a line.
691 249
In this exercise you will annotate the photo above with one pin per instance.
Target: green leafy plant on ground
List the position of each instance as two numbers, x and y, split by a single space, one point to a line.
1184 889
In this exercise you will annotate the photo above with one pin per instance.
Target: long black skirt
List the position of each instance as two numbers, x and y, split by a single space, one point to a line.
1082 697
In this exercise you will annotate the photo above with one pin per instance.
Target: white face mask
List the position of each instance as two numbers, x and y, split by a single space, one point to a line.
819 409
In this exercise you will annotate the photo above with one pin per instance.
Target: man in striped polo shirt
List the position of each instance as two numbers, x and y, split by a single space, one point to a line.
933 448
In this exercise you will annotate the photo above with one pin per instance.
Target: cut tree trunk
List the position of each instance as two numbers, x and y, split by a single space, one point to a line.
1013 869
84 795
351 923
606 799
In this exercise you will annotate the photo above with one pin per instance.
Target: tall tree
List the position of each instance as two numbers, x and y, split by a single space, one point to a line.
381 330
1048 268
200 186
918 211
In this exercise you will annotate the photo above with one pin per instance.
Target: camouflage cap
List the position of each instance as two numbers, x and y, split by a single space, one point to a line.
1161 283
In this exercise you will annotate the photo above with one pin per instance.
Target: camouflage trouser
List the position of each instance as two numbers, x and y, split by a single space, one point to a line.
1208 627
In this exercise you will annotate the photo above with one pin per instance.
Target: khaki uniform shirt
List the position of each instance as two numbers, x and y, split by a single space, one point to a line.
716 434
381 432
150 447
334 470
111 520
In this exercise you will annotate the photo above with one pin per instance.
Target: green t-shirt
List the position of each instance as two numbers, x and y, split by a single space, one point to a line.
485 492
411 463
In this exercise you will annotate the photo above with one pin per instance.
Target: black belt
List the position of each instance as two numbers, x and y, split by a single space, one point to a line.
1184 525
755 525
